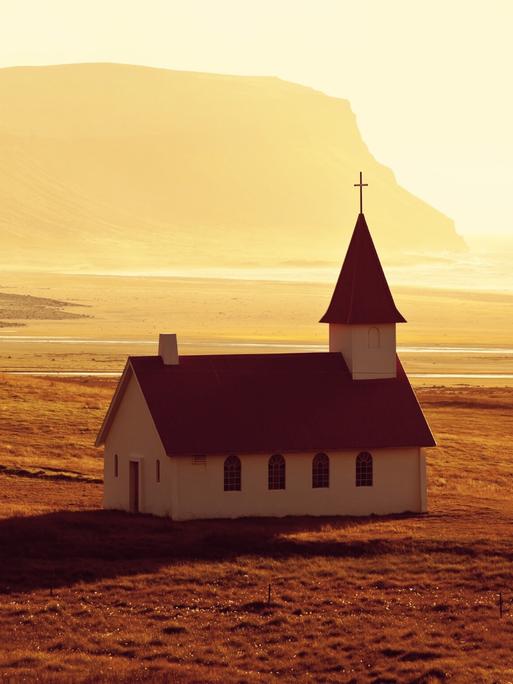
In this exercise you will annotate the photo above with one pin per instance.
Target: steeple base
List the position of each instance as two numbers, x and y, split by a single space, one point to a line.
368 350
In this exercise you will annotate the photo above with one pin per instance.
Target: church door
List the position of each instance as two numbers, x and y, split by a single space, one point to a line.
133 487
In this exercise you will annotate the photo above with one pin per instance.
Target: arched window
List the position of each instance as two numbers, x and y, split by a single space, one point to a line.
364 469
374 338
276 472
321 471
232 474
116 465
157 470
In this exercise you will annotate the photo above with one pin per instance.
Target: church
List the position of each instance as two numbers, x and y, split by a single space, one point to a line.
338 432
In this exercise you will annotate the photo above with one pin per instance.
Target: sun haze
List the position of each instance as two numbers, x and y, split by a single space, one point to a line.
192 329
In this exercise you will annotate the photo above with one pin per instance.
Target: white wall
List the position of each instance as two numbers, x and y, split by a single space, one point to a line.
357 345
188 491
133 436
397 487
423 481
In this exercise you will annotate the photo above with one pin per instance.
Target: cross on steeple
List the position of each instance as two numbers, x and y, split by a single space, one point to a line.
361 185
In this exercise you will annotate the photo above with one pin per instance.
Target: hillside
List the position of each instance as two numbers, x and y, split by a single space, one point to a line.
116 166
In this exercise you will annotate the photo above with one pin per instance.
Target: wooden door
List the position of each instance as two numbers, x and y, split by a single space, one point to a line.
134 487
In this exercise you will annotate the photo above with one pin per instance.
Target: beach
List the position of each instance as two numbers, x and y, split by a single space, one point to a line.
105 318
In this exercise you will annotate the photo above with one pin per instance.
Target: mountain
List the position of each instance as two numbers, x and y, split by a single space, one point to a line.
117 166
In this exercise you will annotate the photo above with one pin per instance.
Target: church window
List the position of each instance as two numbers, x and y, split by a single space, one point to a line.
374 338
116 465
364 469
157 470
276 472
232 474
321 471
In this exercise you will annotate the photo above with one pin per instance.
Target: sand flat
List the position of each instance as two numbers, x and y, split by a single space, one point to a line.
125 315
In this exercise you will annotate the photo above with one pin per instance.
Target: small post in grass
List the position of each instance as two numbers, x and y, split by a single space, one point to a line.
269 595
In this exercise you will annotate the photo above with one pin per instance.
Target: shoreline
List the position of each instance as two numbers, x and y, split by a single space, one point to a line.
448 338
323 276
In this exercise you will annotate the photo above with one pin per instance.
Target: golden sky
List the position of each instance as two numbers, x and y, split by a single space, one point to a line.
429 80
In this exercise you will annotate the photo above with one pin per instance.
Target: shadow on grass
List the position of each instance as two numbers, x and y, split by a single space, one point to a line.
61 548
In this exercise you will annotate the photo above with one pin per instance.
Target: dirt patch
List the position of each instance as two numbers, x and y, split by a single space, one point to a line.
47 474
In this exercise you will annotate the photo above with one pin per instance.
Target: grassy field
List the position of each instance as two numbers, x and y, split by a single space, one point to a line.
89 595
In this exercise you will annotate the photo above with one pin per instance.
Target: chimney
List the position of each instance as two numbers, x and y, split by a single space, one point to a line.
168 349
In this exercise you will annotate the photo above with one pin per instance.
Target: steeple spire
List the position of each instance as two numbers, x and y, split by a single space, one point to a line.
362 294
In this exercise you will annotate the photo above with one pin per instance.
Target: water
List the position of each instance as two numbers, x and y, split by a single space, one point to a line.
62 339
85 341
485 267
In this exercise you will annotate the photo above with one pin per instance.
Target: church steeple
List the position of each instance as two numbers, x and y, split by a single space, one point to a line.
362 294
362 314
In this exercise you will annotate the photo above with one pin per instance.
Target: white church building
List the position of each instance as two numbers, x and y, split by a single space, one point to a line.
225 436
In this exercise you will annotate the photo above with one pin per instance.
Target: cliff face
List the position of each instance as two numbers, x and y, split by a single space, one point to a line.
118 166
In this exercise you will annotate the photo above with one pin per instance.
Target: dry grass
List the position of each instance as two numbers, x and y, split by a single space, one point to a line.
88 595
48 426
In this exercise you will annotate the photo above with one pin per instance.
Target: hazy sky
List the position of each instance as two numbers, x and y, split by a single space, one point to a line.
429 80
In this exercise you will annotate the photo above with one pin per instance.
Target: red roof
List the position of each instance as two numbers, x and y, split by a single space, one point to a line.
253 403
362 294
